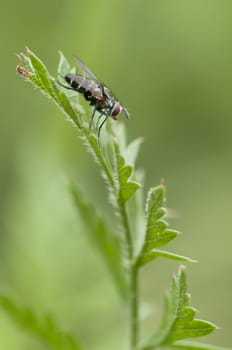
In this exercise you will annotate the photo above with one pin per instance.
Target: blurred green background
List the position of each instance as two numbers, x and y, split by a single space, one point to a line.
170 63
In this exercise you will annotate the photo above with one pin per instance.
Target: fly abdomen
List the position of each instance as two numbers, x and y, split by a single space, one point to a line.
75 82
70 79
88 95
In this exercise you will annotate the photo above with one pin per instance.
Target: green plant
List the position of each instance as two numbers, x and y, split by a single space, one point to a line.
121 247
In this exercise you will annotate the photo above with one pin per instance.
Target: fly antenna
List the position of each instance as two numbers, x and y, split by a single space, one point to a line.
126 113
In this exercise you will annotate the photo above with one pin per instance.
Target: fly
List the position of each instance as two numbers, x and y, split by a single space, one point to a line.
96 93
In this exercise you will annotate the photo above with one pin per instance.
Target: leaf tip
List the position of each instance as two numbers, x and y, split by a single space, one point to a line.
140 140
60 54
182 269
28 51
215 327
218 328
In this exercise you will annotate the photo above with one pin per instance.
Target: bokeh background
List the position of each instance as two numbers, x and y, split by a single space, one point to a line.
170 62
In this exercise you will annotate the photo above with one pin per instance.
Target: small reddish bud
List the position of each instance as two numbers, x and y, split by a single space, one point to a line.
21 70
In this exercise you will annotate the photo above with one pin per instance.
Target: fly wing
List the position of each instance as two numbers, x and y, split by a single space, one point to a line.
105 92
83 82
86 70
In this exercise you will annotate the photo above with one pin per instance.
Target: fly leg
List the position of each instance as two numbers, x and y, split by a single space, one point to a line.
99 129
99 118
66 87
92 116
106 112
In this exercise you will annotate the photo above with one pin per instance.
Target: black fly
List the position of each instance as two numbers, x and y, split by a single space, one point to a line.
96 93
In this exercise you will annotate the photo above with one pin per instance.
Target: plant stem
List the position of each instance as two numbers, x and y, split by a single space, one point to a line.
134 308
133 280
125 222
132 269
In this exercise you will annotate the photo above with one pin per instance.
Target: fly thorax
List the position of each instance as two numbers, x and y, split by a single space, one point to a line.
97 93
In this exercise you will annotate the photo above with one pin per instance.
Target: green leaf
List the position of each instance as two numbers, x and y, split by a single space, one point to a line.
63 66
42 76
93 146
179 317
157 233
136 213
155 253
33 69
187 345
43 327
119 131
66 107
132 150
73 97
125 187
101 235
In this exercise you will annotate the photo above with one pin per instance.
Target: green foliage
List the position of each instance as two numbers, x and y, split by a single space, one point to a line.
118 246
39 76
179 317
42 327
106 241
187 345
157 234
125 187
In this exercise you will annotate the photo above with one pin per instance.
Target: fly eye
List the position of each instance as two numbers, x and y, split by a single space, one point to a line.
116 109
